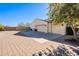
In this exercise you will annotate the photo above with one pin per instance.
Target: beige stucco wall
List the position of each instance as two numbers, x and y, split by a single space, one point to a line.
49 26
58 29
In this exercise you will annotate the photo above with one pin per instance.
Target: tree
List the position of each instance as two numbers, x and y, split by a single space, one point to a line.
67 13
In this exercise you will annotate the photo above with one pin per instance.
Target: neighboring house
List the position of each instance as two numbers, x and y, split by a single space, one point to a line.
45 26
40 25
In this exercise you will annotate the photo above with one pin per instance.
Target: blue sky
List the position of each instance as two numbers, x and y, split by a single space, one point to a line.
11 14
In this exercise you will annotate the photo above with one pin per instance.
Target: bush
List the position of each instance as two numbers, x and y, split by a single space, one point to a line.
69 31
1 27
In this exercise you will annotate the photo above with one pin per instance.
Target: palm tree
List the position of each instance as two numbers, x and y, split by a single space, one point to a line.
67 13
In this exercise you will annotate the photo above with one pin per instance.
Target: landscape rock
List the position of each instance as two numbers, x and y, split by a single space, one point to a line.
61 50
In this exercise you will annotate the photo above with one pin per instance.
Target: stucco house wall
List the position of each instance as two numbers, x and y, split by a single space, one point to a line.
58 29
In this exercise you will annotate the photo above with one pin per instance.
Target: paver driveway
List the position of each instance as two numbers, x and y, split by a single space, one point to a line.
15 45
11 44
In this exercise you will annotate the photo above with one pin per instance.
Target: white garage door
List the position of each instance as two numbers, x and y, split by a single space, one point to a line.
42 28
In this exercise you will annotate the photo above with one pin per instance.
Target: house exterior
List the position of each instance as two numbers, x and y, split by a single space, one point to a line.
48 27
40 25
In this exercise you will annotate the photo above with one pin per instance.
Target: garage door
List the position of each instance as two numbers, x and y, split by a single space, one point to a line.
42 28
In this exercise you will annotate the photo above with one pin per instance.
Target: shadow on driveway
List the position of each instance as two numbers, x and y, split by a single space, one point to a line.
33 34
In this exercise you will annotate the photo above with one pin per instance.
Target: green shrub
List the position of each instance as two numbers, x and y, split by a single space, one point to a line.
1 27
69 31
